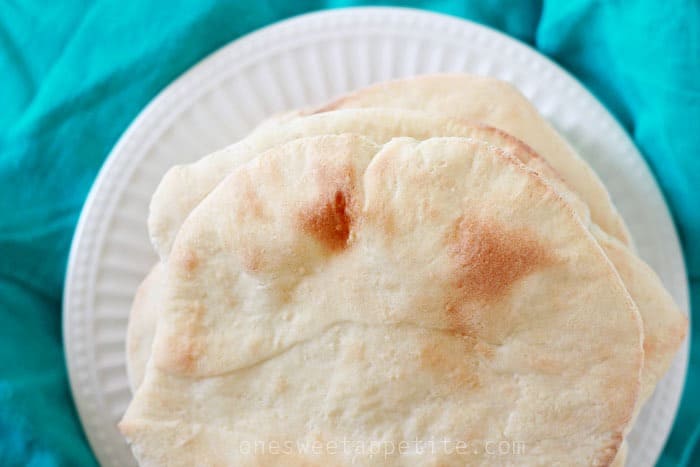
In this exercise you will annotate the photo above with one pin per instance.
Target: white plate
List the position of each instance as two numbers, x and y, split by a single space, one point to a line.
299 62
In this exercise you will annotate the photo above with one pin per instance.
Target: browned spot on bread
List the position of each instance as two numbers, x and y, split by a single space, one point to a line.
330 218
449 362
607 454
329 221
547 365
489 258
651 344
463 320
183 352
483 349
252 259
251 196
184 355
190 260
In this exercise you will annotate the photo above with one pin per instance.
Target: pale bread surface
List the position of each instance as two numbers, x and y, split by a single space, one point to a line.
499 104
665 326
142 325
496 304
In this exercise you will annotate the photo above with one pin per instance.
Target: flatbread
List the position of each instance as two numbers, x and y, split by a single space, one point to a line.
142 326
185 186
621 457
665 326
497 304
498 104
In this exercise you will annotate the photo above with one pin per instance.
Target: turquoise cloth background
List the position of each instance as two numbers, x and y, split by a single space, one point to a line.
74 74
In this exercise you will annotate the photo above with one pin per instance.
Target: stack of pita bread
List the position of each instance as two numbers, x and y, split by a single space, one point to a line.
418 266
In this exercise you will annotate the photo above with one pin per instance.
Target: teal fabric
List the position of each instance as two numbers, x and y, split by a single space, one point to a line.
73 75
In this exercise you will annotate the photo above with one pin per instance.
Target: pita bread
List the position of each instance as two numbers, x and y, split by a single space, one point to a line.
185 186
621 457
498 104
665 326
142 326
497 304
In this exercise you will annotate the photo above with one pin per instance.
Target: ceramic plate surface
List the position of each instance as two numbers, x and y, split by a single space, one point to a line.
300 62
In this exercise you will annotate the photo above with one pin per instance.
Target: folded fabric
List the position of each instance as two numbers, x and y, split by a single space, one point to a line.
76 73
